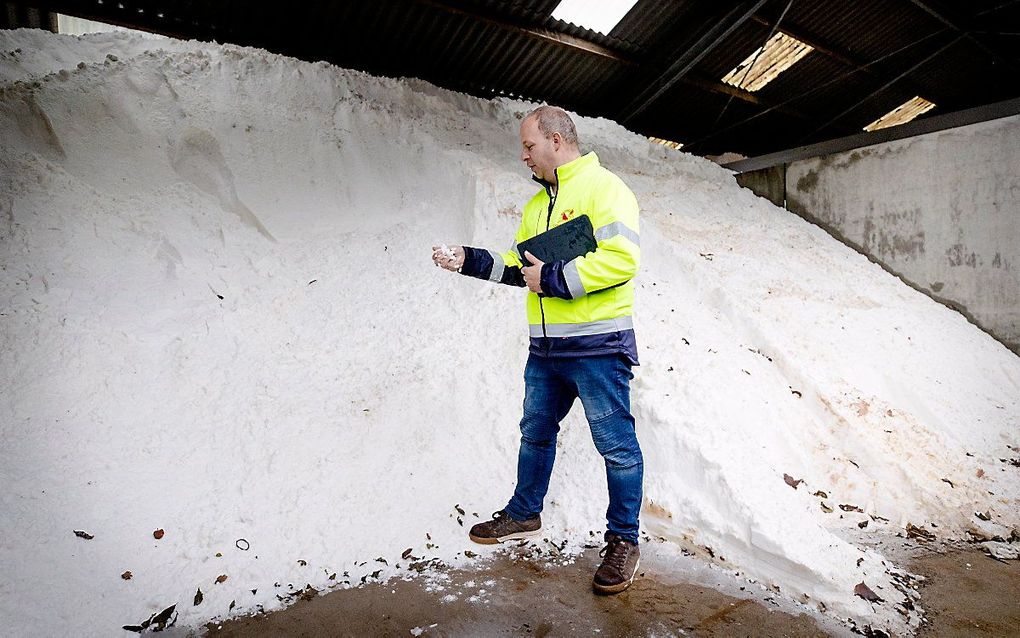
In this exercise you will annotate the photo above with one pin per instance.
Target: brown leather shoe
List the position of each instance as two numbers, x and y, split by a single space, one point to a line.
503 528
619 565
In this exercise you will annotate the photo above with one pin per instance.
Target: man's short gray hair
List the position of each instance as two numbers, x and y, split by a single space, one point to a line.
552 119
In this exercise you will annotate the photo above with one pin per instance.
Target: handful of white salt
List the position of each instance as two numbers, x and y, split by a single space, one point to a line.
446 252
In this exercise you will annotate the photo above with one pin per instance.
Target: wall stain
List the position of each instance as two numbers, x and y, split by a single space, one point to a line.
807 182
894 245
891 244
869 234
958 256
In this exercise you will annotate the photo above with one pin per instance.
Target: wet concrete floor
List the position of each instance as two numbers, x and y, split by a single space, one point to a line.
965 593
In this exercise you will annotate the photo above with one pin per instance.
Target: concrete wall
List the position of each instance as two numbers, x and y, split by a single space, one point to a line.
941 210
769 183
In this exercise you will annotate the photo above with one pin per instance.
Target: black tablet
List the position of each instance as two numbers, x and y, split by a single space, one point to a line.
567 241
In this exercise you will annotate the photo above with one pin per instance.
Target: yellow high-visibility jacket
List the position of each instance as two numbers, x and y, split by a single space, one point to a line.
586 303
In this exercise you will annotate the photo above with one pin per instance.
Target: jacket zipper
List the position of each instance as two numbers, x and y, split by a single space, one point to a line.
548 220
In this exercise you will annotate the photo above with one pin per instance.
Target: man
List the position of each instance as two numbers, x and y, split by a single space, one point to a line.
582 336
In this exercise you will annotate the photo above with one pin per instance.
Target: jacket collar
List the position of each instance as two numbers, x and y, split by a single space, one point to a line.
571 168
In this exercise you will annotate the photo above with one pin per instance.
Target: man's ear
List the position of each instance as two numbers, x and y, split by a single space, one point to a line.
557 141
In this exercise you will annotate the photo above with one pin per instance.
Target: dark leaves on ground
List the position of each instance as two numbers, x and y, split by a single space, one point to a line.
985 516
820 494
914 531
846 507
83 534
865 592
470 554
407 553
421 565
460 510
792 482
221 578
127 575
945 480
863 524
158 622
158 534
199 597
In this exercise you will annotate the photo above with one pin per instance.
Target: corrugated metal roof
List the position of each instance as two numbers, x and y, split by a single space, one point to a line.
493 47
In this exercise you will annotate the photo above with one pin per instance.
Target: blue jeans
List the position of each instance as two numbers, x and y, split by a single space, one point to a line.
603 385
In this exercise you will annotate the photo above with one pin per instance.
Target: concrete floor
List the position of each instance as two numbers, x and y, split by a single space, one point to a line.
965 593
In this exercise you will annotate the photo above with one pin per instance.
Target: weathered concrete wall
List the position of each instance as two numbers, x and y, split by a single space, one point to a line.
941 210
769 183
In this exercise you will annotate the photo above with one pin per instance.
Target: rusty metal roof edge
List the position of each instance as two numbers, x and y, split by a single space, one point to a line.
932 124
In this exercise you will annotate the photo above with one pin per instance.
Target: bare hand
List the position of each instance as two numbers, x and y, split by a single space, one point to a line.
533 273
448 257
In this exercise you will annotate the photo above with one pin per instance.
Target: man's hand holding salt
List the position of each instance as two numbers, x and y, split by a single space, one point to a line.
448 257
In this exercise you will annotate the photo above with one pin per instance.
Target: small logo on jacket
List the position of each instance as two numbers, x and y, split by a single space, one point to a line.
567 214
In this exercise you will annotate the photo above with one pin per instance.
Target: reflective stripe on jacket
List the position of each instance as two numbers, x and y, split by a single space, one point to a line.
586 303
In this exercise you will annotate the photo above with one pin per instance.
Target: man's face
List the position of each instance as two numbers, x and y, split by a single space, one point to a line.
538 151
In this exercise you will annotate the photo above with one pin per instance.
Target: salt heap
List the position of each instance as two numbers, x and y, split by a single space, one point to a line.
220 319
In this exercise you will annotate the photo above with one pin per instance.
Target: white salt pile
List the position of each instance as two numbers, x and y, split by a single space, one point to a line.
220 318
